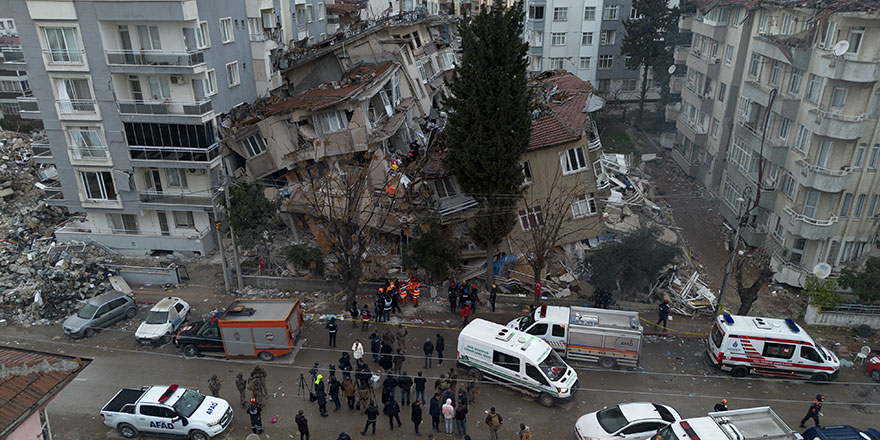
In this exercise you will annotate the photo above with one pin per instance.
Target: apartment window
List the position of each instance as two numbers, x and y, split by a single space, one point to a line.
160 87
730 192
778 231
608 37
627 85
784 128
87 143
210 84
787 24
254 145
776 73
331 121
226 34
557 38
74 95
872 161
560 14
856 33
814 89
203 39
838 98
232 78
583 206
762 23
536 12
794 84
604 84
321 11
734 16
444 188
590 13
860 206
531 218
587 39
573 160
811 200
123 223
537 39
872 211
184 220
830 34
715 125
745 107
859 158
803 138
722 90
795 256
556 64
728 55
176 177
606 62
740 155
98 185
755 65
585 63
611 12
310 13
846 205
714 51
789 185
527 173
64 45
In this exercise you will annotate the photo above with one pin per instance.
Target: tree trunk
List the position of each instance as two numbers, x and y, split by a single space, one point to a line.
352 281
490 263
748 295
644 93
538 269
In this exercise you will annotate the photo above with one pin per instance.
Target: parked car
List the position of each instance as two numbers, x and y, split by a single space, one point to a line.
874 368
630 421
162 321
840 432
99 312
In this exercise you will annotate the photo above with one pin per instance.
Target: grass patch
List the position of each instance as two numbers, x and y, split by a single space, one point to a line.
615 140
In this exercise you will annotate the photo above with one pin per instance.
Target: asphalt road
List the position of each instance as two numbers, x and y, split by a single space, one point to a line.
672 371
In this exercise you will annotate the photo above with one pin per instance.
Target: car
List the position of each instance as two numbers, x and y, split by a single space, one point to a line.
840 432
99 312
874 368
162 321
630 421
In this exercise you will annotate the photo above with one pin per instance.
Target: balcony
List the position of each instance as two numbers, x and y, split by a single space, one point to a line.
676 83
808 227
784 104
90 154
53 191
594 142
684 163
839 125
702 101
685 23
776 152
134 242
158 199
800 56
712 29
694 132
845 69
680 55
754 235
672 111
823 179
76 108
173 157
42 153
64 57
768 199
28 108
157 111
155 61
11 55
704 64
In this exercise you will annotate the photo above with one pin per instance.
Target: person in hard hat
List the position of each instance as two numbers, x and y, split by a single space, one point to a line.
721 406
663 313
814 411
255 411
493 295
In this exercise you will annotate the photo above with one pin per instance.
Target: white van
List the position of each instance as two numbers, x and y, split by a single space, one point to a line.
759 423
517 360
768 346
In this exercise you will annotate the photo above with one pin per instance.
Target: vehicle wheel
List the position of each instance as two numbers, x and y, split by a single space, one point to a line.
864 331
266 356
89 333
819 377
739 371
198 435
130 313
127 430
475 374
546 400
607 362
167 338
875 375
190 351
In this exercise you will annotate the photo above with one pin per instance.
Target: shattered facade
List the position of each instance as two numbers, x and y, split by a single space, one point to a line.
13 76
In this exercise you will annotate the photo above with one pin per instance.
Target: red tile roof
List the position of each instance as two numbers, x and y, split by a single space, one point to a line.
342 8
325 95
31 379
564 113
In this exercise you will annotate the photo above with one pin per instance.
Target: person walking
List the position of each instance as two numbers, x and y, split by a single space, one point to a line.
241 386
721 406
375 346
372 413
398 362
392 410
402 333
435 412
404 382
390 382
416 416
465 314
461 420
357 350
814 411
420 382
214 386
365 318
302 424
493 421
452 297
345 364
321 395
524 432
349 390
355 313
332 329
255 411
428 348
448 415
343 436
363 395
493 295
439 346
334 393
471 389
663 314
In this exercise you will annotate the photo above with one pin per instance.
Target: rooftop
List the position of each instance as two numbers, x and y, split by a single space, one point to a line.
355 80
828 6
559 113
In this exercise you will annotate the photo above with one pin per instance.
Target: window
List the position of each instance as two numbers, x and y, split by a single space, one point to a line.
855 38
776 73
794 84
527 173
810 354
558 330
506 361
846 205
728 55
184 220
538 330
606 62
98 185
859 158
734 16
872 161
627 85
789 185
160 87
232 78
745 107
583 206
573 160
611 12
860 206
587 39
715 126
557 38
536 12
210 85
87 143
226 35
590 13
814 89
585 63
608 37
74 95
782 351
830 35
762 24
872 211
254 144
730 193
560 14
714 52
537 39
811 200
784 128
755 65
176 177
556 63
787 24
823 154
321 11
310 13
722 90
634 14
444 188
63 46
803 138
123 224
531 218
535 374
203 39
332 121
838 98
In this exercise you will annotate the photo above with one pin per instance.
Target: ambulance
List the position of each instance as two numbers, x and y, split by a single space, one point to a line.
746 345
517 360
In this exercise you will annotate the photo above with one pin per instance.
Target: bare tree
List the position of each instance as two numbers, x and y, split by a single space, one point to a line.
748 295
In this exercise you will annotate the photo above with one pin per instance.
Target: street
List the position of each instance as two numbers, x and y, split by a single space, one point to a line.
672 370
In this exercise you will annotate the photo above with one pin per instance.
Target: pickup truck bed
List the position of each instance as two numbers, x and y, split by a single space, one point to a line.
124 397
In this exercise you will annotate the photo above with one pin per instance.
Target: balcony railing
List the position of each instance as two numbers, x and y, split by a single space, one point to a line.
174 153
41 151
186 199
63 57
52 189
76 106
28 104
809 220
173 108
79 225
836 114
99 154
12 54
159 58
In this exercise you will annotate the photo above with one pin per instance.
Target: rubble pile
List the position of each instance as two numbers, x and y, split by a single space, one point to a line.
39 281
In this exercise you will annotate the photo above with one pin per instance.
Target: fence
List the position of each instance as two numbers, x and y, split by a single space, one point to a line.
845 315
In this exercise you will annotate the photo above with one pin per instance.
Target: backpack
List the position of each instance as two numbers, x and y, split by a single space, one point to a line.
495 421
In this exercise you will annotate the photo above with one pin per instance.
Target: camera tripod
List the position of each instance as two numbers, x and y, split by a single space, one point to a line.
302 387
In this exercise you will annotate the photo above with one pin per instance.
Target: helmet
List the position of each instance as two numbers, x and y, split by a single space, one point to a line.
820 397
381 289
253 400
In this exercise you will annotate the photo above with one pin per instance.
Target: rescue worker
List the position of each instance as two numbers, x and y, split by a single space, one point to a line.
332 328
255 411
241 385
465 314
257 388
355 313
261 373
416 292
409 288
365 319
813 412
395 304
493 295
389 305
721 406
321 395
214 386
663 313
452 297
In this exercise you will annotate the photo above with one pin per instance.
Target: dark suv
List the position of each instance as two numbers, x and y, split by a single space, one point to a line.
99 312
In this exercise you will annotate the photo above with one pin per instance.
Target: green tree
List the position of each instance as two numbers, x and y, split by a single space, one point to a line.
629 263
489 120
865 284
822 293
649 42
254 217
305 257
433 251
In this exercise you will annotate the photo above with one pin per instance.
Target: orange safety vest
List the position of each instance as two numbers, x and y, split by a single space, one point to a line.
403 291
417 288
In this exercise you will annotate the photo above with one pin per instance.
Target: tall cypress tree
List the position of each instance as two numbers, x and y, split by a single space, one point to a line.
489 122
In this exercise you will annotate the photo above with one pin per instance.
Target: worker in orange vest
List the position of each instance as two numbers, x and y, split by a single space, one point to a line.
417 290
403 291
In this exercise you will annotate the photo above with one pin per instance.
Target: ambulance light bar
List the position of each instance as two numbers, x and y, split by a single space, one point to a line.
728 319
792 325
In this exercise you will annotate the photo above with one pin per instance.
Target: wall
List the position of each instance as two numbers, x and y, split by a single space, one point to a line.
839 319
303 284
30 429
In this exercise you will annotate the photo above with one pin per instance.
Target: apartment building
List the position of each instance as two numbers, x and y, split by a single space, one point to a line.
7 27
13 76
812 75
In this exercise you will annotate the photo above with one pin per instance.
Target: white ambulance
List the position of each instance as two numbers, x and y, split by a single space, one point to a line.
517 360
747 345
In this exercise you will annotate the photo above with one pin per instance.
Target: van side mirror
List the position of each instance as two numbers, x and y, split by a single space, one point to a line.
183 420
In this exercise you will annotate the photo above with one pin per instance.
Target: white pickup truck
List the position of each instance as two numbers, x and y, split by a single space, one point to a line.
167 410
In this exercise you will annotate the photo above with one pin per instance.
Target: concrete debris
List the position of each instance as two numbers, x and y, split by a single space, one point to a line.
40 367
686 297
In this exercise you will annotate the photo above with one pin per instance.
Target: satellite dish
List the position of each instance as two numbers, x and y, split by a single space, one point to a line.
840 48
822 270
671 69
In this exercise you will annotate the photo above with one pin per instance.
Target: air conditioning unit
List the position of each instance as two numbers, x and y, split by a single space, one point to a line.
196 171
178 79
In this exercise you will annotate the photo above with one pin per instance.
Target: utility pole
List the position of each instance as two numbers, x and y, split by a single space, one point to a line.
218 226
741 216
235 258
